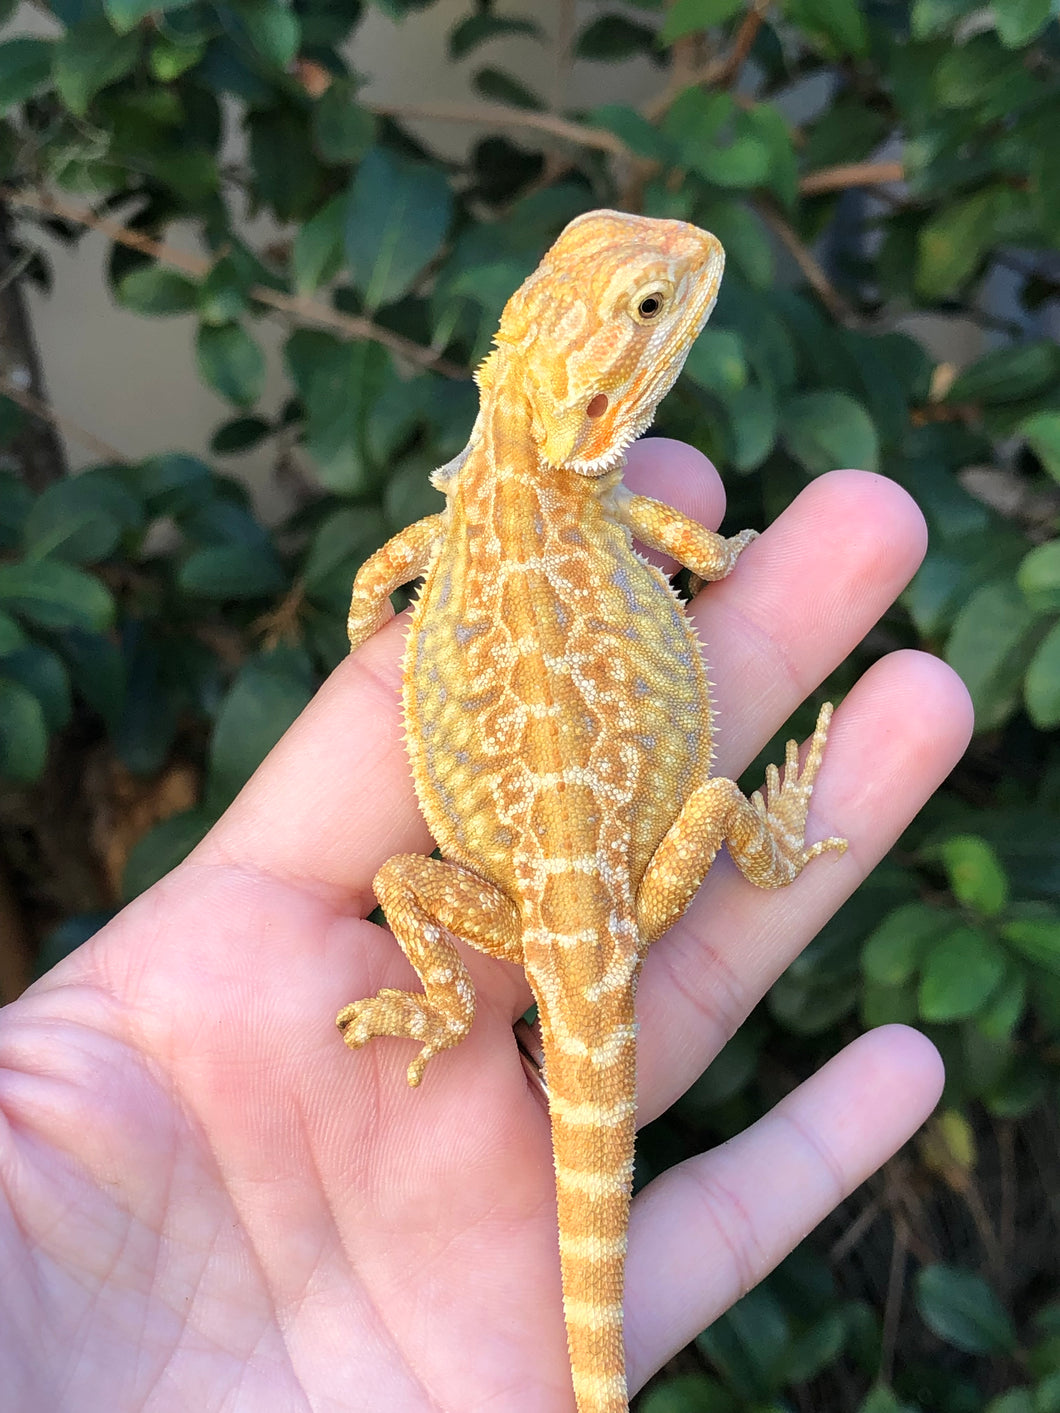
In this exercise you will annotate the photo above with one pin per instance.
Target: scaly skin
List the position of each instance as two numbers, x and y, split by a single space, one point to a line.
559 722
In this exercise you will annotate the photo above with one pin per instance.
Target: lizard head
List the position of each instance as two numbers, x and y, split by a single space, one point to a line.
597 335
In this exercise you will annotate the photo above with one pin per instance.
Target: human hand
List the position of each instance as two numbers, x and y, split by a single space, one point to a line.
209 1203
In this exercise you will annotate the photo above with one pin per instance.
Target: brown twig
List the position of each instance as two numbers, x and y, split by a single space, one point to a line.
815 276
893 1306
299 307
850 174
741 45
505 115
719 72
67 425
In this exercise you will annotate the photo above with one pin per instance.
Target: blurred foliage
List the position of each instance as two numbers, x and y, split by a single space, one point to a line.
861 162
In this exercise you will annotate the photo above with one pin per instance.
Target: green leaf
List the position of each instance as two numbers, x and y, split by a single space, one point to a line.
1035 935
1003 1012
748 1343
168 61
752 418
1019 21
230 362
273 30
43 673
152 289
716 362
814 1349
932 17
23 734
825 430
55 595
80 518
342 130
694 120
97 669
288 177
744 158
633 128
767 124
479 28
25 66
687 16
397 217
612 37
1007 374
338 383
501 87
88 58
1039 576
11 635
959 974
975 875
745 239
225 572
170 484
341 544
266 697
162 848
989 645
240 434
223 293
954 240
319 247
894 951
837 27
1041 686
1042 431
883 1400
125 15
688 1393
962 1310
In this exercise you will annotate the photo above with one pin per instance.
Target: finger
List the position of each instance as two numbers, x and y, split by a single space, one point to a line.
894 739
800 600
708 1230
334 799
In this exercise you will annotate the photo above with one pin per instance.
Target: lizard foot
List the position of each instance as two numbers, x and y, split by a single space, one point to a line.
789 800
406 1015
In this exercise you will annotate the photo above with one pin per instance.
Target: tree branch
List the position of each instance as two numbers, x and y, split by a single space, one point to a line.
48 415
815 276
299 307
850 174
505 115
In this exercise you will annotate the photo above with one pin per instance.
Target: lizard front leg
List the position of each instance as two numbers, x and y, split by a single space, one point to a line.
710 556
767 842
399 561
427 904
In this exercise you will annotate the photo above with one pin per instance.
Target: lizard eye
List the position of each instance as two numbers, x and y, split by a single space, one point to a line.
649 302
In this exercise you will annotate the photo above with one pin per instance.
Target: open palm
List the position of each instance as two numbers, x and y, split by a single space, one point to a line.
209 1203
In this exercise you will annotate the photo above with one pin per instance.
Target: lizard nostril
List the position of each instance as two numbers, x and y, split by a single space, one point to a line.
598 406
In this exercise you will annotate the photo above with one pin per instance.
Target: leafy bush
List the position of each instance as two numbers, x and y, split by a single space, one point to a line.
148 618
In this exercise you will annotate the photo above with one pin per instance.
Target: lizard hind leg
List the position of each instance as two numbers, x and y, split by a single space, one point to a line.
766 836
428 904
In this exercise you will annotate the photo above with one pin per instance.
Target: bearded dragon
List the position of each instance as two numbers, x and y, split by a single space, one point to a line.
559 722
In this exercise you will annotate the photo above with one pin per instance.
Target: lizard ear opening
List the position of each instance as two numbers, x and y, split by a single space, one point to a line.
597 406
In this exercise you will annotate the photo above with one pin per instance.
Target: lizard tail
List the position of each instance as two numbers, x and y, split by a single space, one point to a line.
592 1101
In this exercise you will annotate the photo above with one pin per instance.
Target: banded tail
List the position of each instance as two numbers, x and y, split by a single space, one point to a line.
592 1101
